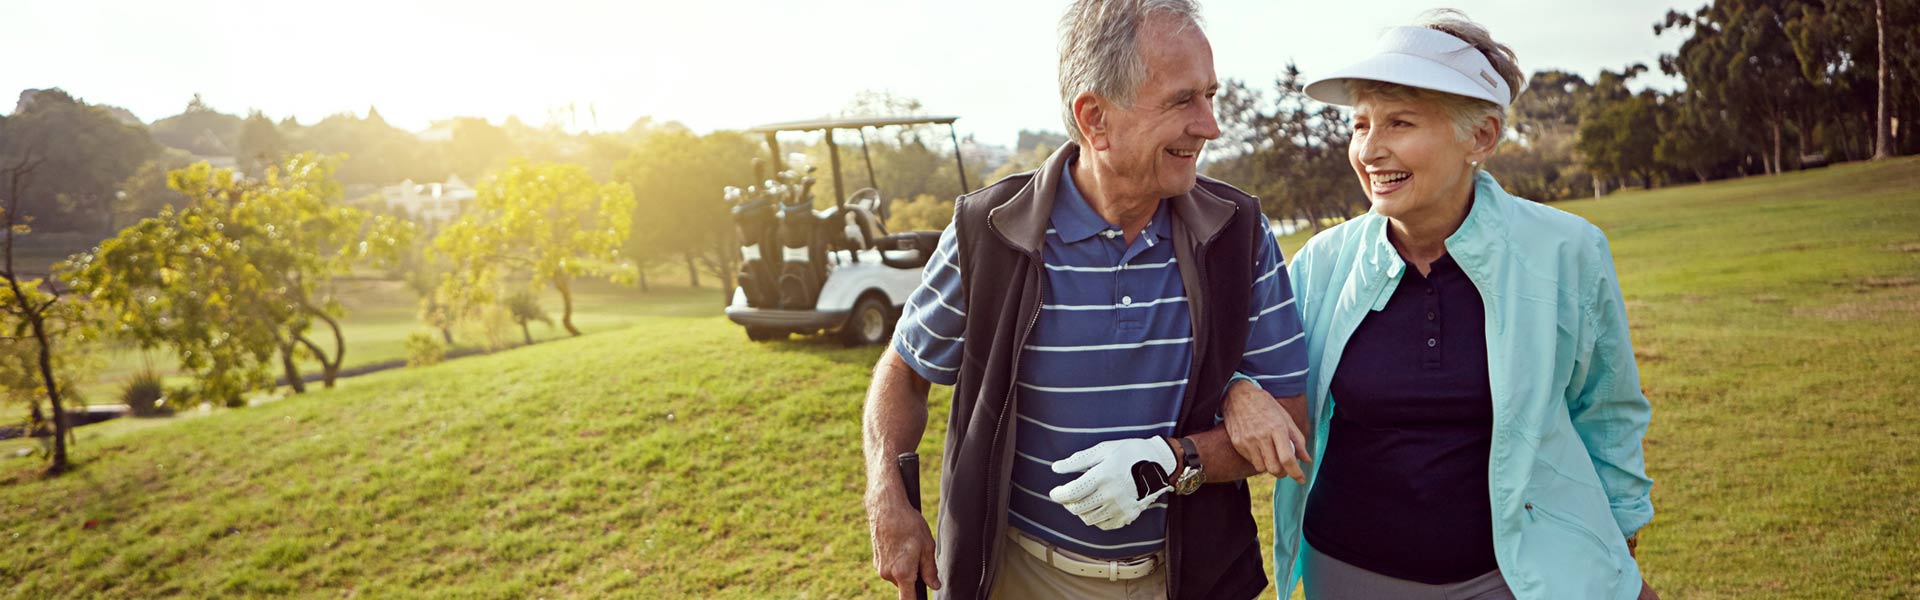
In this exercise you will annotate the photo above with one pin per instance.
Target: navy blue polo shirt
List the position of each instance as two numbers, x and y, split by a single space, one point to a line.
1107 360
1402 487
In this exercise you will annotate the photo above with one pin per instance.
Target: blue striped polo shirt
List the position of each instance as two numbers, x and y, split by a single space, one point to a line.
1108 358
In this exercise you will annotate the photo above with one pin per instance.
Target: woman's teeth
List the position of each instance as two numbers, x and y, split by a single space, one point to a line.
1388 178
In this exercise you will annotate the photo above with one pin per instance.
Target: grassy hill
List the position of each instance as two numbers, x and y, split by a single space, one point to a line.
1775 319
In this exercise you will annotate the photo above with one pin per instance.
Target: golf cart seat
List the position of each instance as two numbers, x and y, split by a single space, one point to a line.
865 216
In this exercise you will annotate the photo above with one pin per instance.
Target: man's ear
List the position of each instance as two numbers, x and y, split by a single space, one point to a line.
1090 115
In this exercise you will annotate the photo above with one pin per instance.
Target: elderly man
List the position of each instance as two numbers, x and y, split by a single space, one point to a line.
1093 316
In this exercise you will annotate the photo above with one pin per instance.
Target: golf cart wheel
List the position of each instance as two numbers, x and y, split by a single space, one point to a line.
765 334
868 324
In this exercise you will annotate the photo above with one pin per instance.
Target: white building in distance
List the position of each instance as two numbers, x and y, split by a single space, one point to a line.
429 202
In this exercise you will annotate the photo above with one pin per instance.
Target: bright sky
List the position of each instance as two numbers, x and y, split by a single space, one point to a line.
715 64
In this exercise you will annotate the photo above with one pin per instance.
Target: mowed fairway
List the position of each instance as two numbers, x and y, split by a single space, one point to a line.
1777 321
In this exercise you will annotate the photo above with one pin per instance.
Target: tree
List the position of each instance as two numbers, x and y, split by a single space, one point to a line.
83 153
524 307
144 193
925 213
1882 123
261 145
200 130
1619 129
35 317
475 147
244 270
1740 59
675 177
549 223
1022 161
1290 150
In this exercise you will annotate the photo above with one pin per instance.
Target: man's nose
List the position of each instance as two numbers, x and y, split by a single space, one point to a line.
1207 127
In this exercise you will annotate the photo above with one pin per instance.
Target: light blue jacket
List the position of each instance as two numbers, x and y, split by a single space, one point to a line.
1566 477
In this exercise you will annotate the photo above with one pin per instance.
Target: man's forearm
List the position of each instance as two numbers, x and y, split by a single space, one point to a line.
1222 462
893 421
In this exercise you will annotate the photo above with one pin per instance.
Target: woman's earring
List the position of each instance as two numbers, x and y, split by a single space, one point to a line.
1475 163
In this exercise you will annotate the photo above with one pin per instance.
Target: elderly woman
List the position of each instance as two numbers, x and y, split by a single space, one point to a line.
1473 403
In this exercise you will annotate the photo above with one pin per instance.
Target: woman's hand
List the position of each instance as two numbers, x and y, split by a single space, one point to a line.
1264 433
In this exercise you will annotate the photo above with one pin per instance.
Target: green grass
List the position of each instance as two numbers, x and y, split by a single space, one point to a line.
1775 320
382 313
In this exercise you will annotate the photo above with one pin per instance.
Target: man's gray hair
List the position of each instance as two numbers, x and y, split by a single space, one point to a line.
1100 51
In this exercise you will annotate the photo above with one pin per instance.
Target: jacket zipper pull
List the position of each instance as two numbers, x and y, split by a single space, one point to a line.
1529 507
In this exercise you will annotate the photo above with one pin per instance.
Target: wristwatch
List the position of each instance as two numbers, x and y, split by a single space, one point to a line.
1191 475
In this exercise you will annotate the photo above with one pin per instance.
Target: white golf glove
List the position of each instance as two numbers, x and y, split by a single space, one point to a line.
1120 481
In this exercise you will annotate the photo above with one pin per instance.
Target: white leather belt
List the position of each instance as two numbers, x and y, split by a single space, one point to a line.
1110 570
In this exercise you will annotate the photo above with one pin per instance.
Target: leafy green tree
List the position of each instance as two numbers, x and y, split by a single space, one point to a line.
524 307
1740 59
547 223
476 147
1619 129
1290 150
1695 141
40 328
1022 161
83 154
1538 160
144 193
243 270
676 177
200 130
261 144
925 213
376 153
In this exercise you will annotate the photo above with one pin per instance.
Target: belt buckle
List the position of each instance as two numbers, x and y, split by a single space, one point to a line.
1113 566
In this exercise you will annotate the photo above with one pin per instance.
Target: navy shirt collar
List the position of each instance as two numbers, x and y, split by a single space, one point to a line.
1074 220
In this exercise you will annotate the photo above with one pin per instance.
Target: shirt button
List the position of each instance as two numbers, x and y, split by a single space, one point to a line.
1432 342
1430 315
1126 300
1429 291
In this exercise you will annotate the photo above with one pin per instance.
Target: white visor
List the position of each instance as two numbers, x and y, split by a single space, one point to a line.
1422 58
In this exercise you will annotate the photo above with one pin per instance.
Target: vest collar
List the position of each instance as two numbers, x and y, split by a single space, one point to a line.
1022 220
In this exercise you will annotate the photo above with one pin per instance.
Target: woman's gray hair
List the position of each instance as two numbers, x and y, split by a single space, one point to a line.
1466 113
1100 52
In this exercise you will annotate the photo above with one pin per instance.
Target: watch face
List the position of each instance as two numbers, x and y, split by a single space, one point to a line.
1189 482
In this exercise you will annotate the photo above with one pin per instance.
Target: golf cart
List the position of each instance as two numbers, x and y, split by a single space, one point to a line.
836 269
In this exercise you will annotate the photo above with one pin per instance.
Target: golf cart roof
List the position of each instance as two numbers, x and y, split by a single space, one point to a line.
852 123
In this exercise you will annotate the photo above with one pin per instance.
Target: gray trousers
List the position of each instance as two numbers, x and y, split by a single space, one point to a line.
1327 578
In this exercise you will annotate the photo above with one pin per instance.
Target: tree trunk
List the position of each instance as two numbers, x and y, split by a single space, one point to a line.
1883 136
446 333
330 369
292 371
643 282
1778 152
566 303
693 271
38 320
525 334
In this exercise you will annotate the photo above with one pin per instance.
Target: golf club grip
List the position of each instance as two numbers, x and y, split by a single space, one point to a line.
909 464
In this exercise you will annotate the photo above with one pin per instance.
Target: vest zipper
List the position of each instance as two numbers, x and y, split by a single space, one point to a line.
1186 400
1013 383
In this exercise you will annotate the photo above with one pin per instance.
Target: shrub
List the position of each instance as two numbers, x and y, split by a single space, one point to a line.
145 395
179 398
423 349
